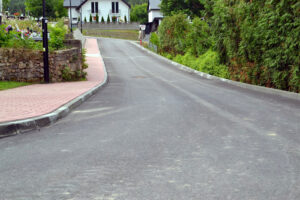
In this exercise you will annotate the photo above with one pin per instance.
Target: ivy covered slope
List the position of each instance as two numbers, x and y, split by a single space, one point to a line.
255 42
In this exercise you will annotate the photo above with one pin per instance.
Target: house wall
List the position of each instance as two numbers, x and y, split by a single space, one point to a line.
104 7
153 14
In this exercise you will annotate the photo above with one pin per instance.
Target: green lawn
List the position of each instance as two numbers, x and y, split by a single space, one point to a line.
120 34
5 85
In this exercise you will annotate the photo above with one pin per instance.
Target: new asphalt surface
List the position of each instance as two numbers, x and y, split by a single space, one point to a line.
157 133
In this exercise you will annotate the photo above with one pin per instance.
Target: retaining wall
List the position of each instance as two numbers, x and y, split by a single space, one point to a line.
27 65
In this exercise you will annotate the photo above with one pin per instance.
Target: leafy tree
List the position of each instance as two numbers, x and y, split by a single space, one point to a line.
190 7
139 13
54 8
172 33
5 4
134 2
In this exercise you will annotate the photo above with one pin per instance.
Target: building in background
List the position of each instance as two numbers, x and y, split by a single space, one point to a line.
115 9
154 15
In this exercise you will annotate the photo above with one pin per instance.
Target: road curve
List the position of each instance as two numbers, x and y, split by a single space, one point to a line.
157 133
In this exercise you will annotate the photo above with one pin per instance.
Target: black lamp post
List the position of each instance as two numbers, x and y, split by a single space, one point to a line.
71 16
45 45
80 16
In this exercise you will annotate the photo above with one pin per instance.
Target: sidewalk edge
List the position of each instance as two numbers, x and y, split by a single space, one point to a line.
282 93
21 126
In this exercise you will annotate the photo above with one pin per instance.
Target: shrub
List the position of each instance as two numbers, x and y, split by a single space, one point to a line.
102 20
114 19
67 74
85 21
91 19
198 38
108 19
154 39
57 36
172 32
97 18
125 19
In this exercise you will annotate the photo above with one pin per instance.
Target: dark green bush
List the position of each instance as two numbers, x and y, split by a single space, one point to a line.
172 32
57 36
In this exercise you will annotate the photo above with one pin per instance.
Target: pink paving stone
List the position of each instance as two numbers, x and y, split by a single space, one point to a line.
39 99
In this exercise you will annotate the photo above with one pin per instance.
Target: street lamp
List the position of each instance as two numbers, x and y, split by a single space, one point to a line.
81 16
71 16
45 45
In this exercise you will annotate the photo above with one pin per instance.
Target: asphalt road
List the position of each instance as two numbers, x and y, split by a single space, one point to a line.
156 133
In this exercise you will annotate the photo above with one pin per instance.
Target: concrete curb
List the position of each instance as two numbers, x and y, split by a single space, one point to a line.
282 93
21 126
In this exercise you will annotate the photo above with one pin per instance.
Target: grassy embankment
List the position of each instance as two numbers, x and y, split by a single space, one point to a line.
120 34
5 85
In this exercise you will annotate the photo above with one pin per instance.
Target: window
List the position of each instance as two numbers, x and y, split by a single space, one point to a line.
93 7
96 7
113 7
117 7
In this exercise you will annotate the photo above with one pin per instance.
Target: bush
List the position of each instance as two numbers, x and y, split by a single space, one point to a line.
97 18
125 19
102 20
114 19
91 19
85 21
57 36
198 38
108 19
154 39
172 32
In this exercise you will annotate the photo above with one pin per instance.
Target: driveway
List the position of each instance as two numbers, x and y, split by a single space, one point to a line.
157 133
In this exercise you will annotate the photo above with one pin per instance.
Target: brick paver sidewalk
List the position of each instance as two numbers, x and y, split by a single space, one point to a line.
39 99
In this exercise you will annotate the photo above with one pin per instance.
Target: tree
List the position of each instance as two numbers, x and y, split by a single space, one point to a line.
192 8
139 13
91 19
97 18
16 6
5 4
108 19
125 19
102 20
54 8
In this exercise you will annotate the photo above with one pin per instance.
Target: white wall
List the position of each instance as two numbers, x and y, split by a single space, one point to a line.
104 7
153 14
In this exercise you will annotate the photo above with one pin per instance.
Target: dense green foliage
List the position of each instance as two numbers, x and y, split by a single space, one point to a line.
190 7
258 42
134 2
139 13
54 8
57 36
16 6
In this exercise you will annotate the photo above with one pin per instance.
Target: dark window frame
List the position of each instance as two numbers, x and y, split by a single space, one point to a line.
93 7
117 7
96 7
113 7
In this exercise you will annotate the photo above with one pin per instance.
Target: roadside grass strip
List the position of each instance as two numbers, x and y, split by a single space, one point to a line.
119 34
5 85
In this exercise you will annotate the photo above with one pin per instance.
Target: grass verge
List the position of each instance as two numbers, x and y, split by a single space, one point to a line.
5 85
120 34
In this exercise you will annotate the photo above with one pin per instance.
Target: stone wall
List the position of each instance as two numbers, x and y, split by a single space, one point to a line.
27 65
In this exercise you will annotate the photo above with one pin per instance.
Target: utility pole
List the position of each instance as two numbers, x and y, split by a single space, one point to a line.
71 16
45 45
80 16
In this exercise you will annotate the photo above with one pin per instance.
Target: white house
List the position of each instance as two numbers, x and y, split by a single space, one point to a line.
154 13
103 8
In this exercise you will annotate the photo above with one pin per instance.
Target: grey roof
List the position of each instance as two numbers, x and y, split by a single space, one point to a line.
74 3
154 4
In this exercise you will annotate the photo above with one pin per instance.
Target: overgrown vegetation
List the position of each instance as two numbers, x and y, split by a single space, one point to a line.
250 41
139 13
